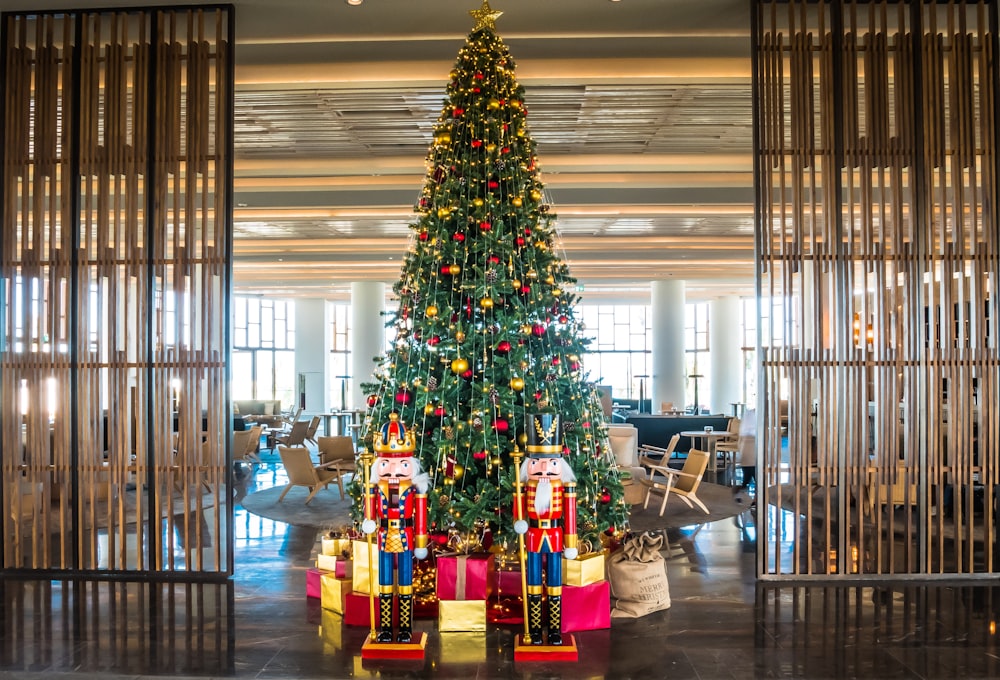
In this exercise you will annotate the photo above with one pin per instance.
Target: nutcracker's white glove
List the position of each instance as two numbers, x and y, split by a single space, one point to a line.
521 527
420 553
570 553
368 526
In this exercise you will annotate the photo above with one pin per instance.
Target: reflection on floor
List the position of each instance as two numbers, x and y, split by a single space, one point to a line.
722 624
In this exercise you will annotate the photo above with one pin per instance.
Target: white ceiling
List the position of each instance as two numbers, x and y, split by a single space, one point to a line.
641 110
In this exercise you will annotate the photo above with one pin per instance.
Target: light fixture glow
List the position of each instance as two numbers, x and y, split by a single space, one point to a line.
354 2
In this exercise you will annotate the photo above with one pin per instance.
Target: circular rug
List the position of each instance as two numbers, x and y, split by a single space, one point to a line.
328 510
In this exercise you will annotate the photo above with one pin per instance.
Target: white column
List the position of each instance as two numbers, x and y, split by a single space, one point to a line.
667 306
312 347
367 336
725 378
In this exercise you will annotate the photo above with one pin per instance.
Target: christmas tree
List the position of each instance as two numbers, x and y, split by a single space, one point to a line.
485 327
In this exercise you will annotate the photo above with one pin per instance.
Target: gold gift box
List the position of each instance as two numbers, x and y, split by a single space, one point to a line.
584 570
330 562
332 591
461 615
362 581
331 627
338 547
463 647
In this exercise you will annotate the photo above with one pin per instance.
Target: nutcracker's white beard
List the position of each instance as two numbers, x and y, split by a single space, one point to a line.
543 496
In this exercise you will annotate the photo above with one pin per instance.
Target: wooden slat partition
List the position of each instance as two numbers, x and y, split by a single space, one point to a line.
878 257
116 191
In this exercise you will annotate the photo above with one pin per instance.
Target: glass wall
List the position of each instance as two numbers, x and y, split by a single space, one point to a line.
339 362
264 349
697 365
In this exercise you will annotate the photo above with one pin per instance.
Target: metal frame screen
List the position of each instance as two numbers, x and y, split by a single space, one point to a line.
878 247
115 274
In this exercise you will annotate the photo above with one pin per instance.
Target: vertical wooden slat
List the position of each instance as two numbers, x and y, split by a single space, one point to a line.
877 240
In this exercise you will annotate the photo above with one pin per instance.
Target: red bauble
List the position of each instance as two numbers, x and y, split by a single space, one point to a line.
468 374
537 396
563 318
423 236
476 90
476 143
459 237
493 184
494 259
433 340
538 330
519 240
480 455
505 149
372 400
501 425
478 76
404 397
439 411
446 269
575 366
525 289
555 361
503 347
605 497
459 111
485 226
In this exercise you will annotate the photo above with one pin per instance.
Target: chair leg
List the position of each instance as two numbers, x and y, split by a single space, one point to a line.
313 490
700 504
666 495
287 489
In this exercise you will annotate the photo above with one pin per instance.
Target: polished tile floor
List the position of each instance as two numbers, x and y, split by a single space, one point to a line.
722 624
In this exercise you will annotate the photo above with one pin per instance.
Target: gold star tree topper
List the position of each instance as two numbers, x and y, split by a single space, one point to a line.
485 16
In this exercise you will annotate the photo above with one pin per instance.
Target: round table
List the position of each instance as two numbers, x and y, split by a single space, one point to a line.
710 438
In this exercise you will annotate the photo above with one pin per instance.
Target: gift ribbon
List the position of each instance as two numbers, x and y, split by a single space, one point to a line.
461 565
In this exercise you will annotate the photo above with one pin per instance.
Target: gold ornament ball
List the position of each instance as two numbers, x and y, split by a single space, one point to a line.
532 274
454 269
460 336
536 194
550 279
517 384
443 212
459 366
486 303
515 283
493 104
517 201
459 470
491 147
429 409
431 311
443 139
478 202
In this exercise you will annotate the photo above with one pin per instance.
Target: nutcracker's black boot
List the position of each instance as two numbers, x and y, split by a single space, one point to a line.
384 618
405 618
535 619
555 620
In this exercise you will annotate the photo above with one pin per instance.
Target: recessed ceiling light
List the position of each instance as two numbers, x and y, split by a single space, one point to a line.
354 2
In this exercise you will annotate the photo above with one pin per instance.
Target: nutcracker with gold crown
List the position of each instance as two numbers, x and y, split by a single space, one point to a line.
545 513
396 506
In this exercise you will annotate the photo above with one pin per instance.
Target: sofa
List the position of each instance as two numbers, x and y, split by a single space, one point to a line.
263 411
657 430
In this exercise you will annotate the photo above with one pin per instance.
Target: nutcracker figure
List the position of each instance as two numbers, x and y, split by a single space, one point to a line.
396 506
545 513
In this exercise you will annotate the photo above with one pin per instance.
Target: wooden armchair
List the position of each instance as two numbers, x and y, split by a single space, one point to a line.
301 472
296 436
683 482
646 451
311 430
337 455
245 444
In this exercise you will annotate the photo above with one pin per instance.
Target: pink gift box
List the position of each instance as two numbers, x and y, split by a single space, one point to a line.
465 577
586 607
357 610
312 582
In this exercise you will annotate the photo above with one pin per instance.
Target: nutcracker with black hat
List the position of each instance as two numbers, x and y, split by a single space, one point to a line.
396 508
545 516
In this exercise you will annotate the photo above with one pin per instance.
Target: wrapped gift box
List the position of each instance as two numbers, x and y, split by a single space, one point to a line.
463 647
584 570
357 610
361 579
505 610
508 583
586 607
312 582
465 577
331 627
341 566
333 592
461 615
336 547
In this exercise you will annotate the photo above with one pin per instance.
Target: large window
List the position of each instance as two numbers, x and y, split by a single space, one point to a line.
339 366
619 352
696 359
749 349
264 349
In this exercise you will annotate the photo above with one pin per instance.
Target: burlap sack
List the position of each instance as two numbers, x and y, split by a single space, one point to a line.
638 577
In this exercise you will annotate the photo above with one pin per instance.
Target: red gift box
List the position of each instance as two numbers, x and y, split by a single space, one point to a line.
503 610
465 577
312 582
357 610
586 607
508 583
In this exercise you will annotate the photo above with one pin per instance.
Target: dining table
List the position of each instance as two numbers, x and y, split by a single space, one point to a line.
709 438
